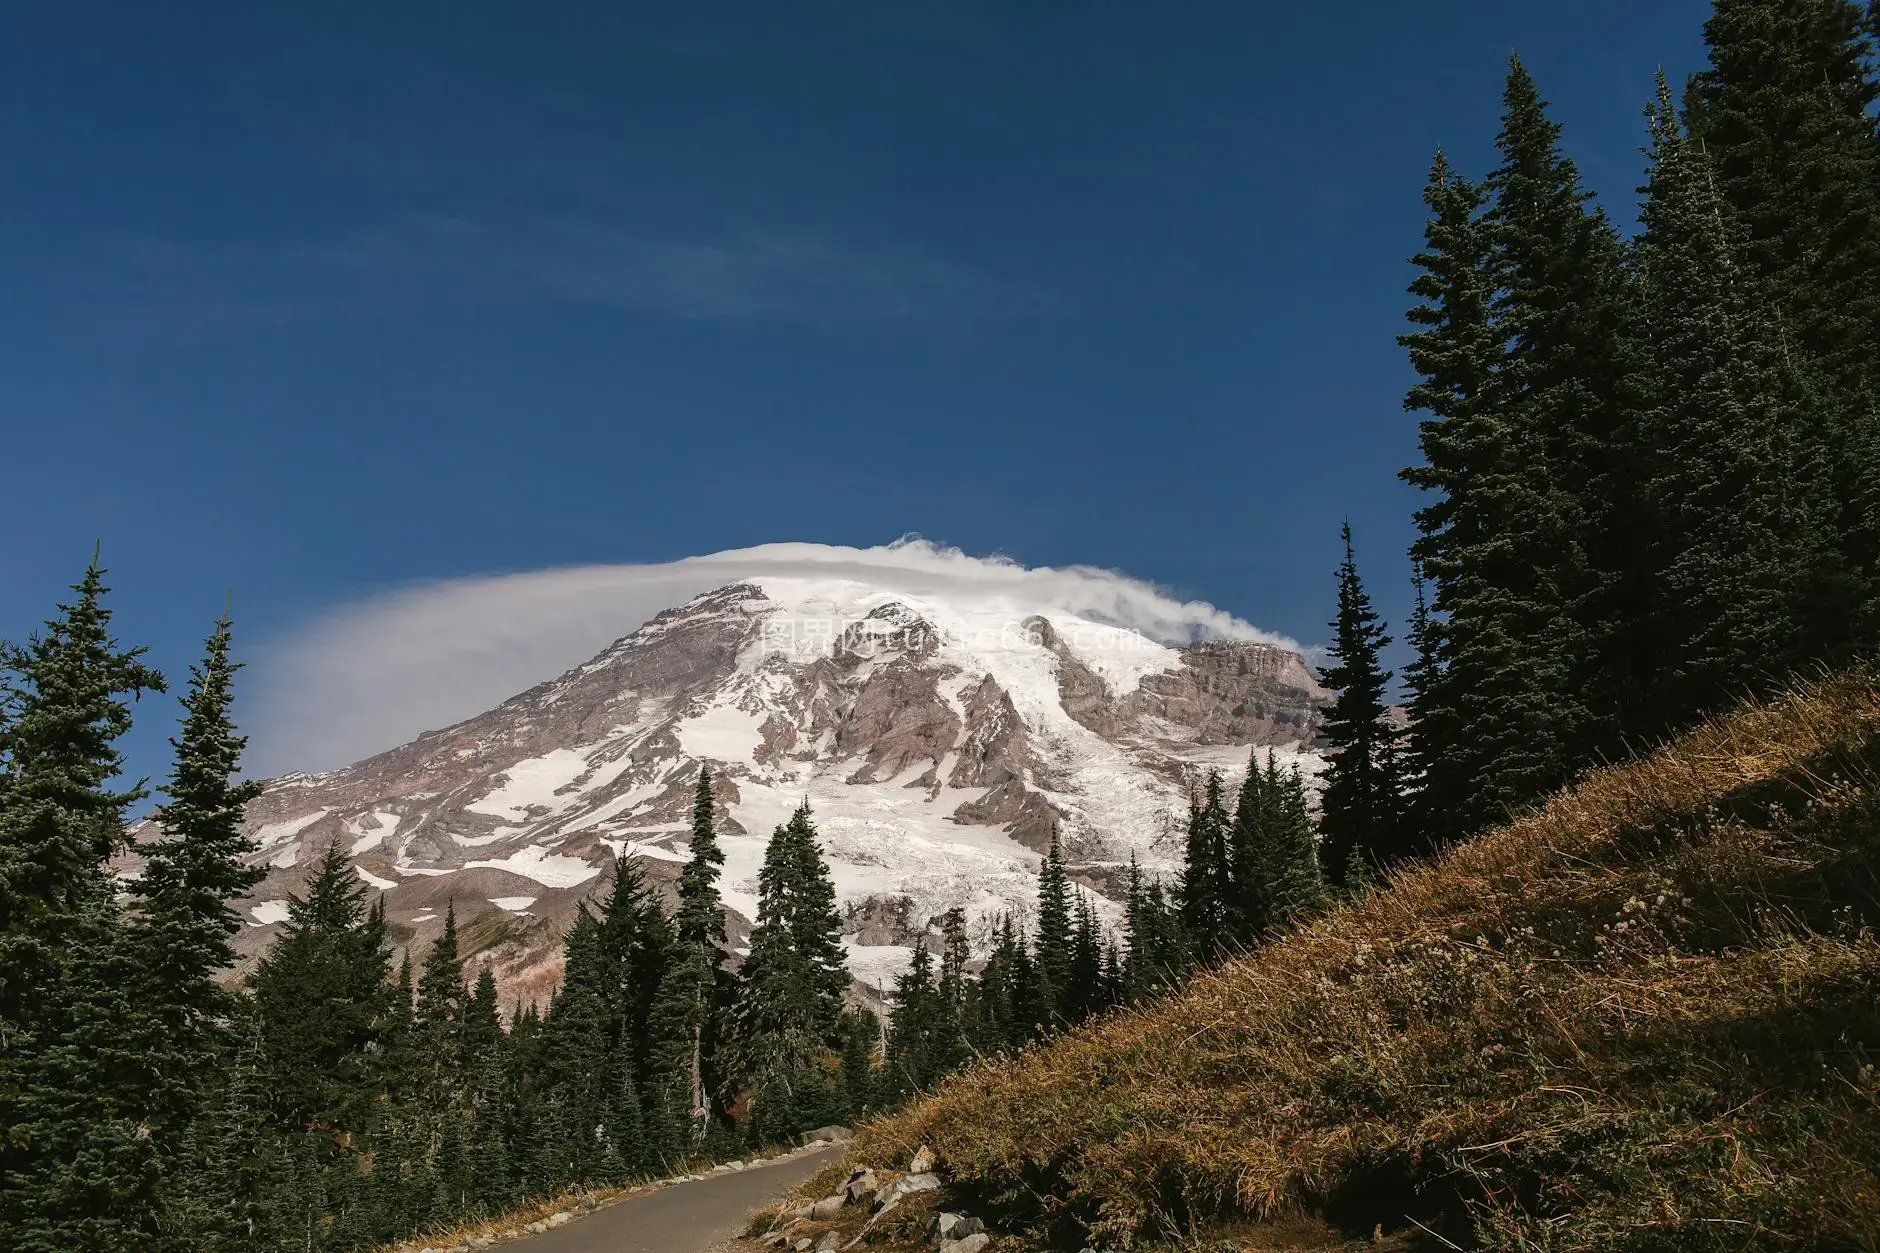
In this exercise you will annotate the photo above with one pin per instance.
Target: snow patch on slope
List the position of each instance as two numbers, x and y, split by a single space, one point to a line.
551 870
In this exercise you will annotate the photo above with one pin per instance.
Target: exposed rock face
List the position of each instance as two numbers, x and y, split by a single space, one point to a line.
938 744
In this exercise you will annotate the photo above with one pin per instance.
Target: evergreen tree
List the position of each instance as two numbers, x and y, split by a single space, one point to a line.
192 873
1422 676
952 1034
1296 885
222 1193
1053 947
578 1073
791 985
322 1002
482 1031
441 997
1553 572
1534 450
77 1167
635 942
1466 450
996 1023
911 1053
859 1031
1207 875
1087 993
1360 803
1784 113
1153 956
1745 557
687 1007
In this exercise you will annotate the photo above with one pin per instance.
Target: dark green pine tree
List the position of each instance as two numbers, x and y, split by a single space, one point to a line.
490 1170
1296 883
482 1030
1207 873
1087 993
1745 552
222 1195
1465 447
1153 944
686 1011
1361 801
193 872
790 987
1031 995
323 1001
1422 676
1555 574
910 1068
79 1167
953 1033
635 942
995 1017
1256 816
1053 947
859 1031
578 1070
441 997
1784 111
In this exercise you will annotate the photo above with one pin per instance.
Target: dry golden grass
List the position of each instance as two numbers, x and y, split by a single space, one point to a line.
1644 1016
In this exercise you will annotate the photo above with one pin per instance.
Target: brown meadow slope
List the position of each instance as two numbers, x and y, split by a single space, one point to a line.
1645 1016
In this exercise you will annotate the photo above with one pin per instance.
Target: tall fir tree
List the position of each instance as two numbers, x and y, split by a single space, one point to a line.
636 942
1554 573
1361 802
1533 449
1054 939
1784 111
910 1064
953 1033
1457 352
687 1010
193 873
324 1002
77 1166
1207 873
1745 560
790 986
1153 956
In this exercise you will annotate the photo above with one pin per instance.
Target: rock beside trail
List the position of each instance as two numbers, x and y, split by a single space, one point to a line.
971 1244
828 1135
923 1162
860 1184
956 1227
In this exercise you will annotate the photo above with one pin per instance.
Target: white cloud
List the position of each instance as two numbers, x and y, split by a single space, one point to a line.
365 677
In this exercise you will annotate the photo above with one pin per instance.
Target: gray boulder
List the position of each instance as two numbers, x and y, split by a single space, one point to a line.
828 1135
860 1184
971 1244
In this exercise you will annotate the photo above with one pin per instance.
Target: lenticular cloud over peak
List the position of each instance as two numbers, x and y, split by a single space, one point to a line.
368 676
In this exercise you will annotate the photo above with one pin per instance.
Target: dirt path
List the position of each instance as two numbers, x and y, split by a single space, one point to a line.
691 1217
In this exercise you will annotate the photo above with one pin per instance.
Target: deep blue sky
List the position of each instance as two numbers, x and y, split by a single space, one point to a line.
311 300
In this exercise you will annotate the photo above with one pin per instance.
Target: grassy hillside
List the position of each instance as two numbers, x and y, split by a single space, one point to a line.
1645 1017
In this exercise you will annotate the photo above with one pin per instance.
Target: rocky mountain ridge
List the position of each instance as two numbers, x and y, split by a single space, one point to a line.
938 742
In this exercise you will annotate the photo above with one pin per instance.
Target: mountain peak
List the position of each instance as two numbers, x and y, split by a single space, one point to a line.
938 737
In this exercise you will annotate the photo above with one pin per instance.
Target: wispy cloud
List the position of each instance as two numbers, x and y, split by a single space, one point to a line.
749 276
367 676
170 289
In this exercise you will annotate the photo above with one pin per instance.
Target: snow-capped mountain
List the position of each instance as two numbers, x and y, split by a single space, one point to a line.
937 739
